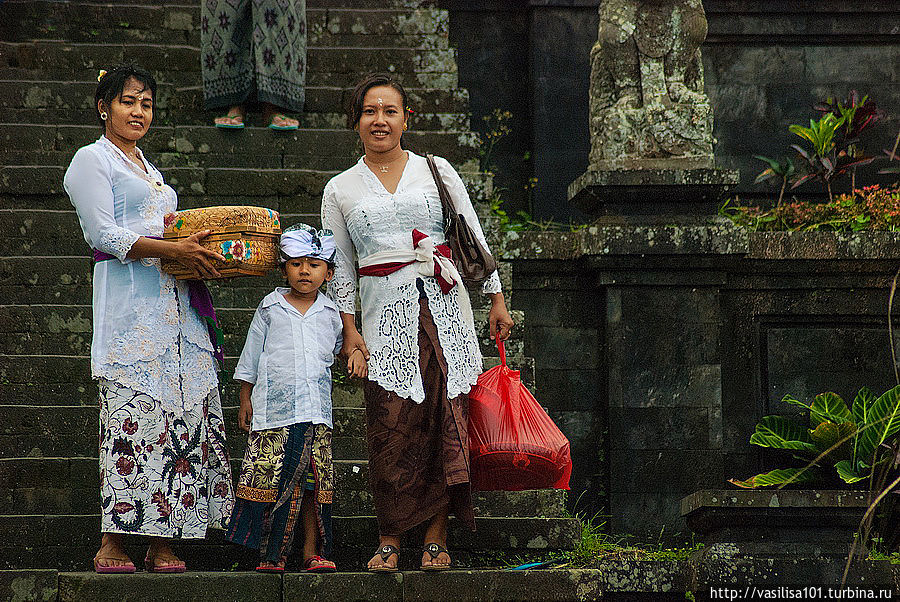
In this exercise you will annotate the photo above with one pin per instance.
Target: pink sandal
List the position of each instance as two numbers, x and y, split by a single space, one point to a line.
171 567
126 568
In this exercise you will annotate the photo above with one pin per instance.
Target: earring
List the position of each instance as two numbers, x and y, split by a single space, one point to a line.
405 126
103 115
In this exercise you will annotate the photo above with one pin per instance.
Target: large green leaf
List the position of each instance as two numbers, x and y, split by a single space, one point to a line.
830 407
794 401
779 476
834 439
850 473
861 406
782 433
882 425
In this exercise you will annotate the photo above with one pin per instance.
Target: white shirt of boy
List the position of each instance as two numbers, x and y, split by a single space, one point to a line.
288 357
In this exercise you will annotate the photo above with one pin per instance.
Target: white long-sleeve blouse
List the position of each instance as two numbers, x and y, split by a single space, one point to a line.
287 357
366 219
146 336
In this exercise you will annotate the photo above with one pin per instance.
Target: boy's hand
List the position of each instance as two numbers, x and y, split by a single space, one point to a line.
356 364
245 415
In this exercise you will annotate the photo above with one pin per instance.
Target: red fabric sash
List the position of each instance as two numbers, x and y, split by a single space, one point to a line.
383 269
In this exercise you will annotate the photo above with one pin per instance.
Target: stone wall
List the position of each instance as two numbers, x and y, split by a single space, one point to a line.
657 349
767 62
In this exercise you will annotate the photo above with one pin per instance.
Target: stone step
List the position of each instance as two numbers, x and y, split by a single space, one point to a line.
76 58
78 391
64 431
65 542
456 586
63 102
59 322
345 79
135 24
308 149
65 280
70 486
40 187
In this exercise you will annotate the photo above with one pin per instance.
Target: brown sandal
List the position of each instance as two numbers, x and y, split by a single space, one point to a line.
386 551
434 550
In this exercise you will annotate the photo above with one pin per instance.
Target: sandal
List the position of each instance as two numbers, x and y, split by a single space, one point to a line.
128 567
284 124
271 568
170 567
434 550
317 564
386 551
230 122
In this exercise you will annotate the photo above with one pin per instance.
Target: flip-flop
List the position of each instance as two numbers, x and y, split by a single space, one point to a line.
281 128
386 552
434 550
317 564
270 569
230 126
151 567
110 570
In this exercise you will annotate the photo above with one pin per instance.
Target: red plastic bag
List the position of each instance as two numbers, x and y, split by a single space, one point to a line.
513 443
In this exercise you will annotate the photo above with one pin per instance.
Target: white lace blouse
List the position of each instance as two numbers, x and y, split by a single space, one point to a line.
366 219
146 336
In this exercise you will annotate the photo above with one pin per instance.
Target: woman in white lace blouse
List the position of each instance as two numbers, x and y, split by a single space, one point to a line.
418 336
164 470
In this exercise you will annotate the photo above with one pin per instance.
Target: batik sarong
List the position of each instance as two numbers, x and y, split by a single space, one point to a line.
419 452
162 474
253 49
279 466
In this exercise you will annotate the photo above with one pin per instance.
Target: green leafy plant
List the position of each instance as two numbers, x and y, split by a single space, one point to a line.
870 208
783 170
834 142
496 128
853 440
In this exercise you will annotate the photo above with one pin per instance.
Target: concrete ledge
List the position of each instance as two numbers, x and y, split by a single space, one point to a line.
187 587
347 587
475 586
28 585
718 237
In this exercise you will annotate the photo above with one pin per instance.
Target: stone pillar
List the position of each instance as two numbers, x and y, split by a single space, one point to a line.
650 119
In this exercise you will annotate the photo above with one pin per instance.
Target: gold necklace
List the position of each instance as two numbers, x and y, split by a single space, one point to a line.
383 167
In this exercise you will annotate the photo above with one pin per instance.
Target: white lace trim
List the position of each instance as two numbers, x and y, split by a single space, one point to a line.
166 353
117 241
391 336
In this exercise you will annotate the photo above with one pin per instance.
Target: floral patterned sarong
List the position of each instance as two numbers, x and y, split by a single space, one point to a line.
162 474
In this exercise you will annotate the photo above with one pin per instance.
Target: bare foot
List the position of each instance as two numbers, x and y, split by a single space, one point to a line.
265 565
112 552
385 559
435 556
233 119
160 557
229 121
280 121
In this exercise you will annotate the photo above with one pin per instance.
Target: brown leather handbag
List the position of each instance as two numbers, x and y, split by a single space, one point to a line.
471 258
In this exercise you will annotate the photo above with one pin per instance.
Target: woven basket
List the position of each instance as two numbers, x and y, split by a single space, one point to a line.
246 236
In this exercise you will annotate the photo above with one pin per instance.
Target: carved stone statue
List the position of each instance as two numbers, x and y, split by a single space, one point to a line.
650 119
647 97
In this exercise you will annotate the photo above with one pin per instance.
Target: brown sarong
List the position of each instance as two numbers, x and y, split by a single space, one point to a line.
419 452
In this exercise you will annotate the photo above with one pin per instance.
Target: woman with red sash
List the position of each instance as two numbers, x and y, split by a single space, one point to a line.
164 469
418 336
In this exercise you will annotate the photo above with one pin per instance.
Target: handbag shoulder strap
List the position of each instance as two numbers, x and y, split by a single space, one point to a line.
446 202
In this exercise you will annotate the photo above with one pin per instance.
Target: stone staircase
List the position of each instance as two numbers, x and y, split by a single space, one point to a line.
49 56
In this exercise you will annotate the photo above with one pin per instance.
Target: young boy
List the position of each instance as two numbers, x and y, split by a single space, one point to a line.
287 477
